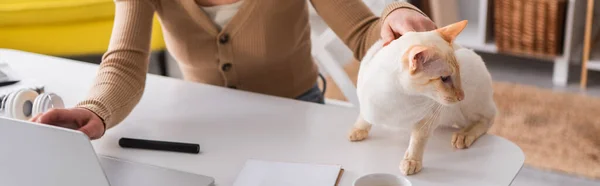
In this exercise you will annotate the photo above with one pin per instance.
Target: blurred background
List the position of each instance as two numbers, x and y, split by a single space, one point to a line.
544 56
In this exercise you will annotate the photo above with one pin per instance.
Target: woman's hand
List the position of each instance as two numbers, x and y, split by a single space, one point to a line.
403 20
74 118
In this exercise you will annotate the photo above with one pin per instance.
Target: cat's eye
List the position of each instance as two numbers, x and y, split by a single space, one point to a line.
445 78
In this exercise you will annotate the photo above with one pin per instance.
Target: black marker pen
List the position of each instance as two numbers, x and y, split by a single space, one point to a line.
6 83
159 145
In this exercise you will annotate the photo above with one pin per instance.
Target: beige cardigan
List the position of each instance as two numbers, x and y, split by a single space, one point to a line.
265 48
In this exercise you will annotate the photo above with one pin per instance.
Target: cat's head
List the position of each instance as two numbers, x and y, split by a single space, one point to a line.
429 64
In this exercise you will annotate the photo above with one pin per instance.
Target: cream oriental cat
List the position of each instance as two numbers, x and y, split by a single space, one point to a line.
423 80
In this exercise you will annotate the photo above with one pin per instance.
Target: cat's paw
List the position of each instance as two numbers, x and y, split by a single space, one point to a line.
410 166
461 140
358 134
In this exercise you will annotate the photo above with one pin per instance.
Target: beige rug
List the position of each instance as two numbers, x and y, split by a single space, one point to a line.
557 131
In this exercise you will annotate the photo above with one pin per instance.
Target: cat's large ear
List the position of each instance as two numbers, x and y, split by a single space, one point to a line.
450 32
416 58
424 59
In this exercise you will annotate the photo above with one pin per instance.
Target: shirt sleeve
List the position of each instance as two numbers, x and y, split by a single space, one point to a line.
121 77
354 22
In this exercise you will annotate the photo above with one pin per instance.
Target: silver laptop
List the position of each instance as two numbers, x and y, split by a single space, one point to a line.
33 154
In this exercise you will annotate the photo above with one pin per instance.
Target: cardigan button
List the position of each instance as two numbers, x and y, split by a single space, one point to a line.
226 67
224 38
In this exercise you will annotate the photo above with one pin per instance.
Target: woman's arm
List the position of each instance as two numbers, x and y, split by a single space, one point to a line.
121 77
354 22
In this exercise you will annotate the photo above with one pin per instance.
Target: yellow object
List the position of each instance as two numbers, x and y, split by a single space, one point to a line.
61 27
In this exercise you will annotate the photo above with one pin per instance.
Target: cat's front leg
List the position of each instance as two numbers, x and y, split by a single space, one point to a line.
467 135
413 157
360 130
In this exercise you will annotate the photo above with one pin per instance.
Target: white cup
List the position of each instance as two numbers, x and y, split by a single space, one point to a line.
381 179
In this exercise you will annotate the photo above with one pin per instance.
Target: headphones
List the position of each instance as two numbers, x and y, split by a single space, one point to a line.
26 102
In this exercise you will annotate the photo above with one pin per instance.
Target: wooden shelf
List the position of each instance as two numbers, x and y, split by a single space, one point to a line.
594 61
478 35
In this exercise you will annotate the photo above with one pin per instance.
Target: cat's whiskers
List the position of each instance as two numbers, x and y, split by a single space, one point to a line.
427 104
427 107
435 115
432 118
439 113
429 122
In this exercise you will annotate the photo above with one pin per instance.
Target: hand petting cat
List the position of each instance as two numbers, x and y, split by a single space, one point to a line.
403 20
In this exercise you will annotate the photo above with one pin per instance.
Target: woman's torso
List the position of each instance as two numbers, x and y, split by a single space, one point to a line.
264 47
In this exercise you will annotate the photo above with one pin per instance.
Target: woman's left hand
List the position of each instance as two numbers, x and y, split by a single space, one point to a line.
403 20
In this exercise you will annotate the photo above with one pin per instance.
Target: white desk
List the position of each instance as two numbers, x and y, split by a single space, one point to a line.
233 126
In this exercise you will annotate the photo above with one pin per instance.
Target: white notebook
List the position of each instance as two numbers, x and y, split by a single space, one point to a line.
270 173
